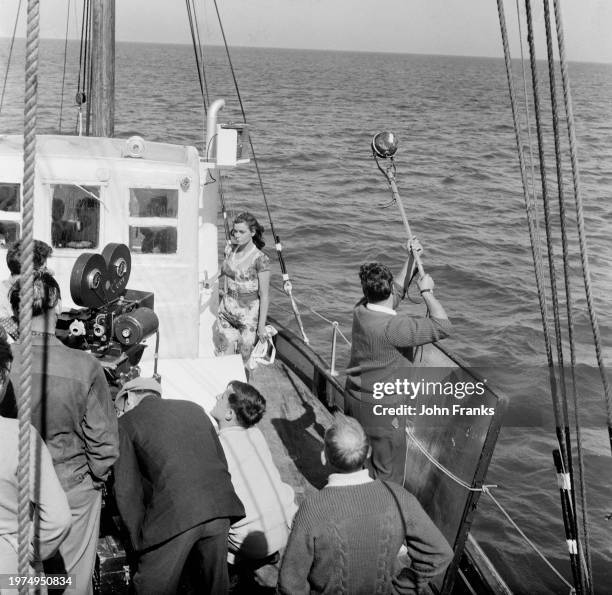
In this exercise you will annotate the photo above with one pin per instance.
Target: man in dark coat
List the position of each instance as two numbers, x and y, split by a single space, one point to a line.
173 489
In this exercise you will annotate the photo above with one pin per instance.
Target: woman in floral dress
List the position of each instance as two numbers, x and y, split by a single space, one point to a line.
243 310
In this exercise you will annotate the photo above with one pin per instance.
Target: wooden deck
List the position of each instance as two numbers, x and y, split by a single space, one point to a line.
294 425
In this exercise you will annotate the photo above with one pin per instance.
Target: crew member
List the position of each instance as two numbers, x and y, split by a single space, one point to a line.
51 513
382 349
73 411
268 501
173 489
346 538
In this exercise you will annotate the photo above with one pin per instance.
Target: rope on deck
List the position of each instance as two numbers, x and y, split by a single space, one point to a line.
26 291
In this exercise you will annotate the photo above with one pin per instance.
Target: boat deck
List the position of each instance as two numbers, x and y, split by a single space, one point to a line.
294 425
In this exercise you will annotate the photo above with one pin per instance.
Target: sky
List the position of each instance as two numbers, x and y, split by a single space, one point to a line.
454 27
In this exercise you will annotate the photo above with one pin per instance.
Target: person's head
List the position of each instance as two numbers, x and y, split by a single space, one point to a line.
239 405
57 210
47 296
6 358
158 206
42 251
376 281
133 392
346 445
86 205
247 228
87 211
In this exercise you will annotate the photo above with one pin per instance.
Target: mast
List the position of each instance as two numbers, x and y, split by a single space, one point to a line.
103 67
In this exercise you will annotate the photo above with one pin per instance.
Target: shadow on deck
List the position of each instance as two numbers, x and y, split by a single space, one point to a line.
294 426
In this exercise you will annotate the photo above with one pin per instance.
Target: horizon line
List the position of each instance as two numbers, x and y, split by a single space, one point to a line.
357 51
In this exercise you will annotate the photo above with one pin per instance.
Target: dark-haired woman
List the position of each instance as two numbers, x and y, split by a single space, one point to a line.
243 310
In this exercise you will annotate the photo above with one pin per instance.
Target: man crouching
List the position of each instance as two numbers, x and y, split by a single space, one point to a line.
173 488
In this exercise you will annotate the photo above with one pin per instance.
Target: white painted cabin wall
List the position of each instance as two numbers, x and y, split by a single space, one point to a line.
185 310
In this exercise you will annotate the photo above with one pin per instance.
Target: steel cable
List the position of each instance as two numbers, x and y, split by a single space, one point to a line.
10 54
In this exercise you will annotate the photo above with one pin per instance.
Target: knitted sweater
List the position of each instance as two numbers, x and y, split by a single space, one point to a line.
345 540
383 343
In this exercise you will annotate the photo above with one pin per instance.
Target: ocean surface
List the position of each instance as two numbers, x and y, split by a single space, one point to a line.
312 115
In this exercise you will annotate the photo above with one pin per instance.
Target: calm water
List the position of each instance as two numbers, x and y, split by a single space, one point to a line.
312 115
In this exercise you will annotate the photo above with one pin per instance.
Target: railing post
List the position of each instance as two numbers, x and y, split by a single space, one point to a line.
333 370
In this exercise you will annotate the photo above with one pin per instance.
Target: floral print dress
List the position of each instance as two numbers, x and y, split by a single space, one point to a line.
235 330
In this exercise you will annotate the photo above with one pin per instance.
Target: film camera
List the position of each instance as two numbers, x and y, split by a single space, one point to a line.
114 321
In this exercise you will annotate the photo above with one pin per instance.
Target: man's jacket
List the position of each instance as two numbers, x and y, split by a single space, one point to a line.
171 474
71 408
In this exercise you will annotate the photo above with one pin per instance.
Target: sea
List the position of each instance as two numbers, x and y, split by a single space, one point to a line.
311 116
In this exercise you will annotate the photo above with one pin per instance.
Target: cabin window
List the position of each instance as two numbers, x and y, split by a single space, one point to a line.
153 240
153 220
10 205
9 232
151 202
75 216
10 197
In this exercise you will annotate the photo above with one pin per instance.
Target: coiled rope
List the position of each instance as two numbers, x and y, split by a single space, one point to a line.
569 305
485 489
584 259
26 291
10 54
287 285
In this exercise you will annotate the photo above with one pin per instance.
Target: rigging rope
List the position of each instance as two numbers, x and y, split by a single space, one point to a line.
8 63
486 489
529 208
195 40
313 311
201 48
287 285
562 430
586 273
528 126
26 291
64 68
569 306
537 263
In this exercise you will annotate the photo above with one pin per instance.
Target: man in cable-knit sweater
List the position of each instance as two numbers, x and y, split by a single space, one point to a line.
383 351
346 538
